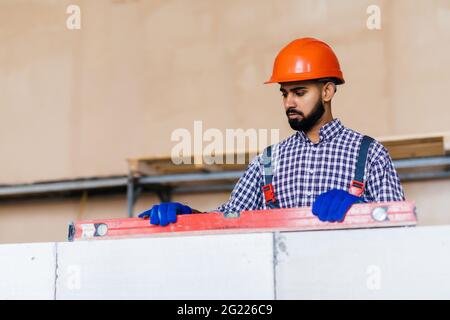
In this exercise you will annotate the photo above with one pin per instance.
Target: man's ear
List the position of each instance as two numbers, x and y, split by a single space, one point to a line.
328 91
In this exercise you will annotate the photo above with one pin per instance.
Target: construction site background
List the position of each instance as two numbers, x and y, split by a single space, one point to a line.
78 103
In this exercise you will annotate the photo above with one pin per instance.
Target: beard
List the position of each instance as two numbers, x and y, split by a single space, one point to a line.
307 122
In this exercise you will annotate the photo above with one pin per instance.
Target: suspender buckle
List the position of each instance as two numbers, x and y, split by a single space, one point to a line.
356 188
269 194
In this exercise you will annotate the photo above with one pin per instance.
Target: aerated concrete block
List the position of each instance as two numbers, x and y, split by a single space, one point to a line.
238 266
27 271
396 263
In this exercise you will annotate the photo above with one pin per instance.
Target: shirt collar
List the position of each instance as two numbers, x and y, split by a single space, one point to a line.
326 133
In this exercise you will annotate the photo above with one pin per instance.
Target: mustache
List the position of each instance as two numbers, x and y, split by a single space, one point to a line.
292 110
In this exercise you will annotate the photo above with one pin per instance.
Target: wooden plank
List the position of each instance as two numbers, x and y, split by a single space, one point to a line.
413 148
165 165
399 147
417 145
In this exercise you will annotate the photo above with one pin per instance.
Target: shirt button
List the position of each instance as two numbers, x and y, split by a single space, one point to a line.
309 193
311 171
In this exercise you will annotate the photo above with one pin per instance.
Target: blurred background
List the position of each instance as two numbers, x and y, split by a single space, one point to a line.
75 104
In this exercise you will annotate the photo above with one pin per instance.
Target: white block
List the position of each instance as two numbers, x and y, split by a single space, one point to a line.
238 266
396 263
27 271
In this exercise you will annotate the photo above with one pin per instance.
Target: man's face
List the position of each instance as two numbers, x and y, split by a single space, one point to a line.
303 104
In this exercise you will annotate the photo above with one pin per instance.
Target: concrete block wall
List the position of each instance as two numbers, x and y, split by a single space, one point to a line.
366 264
204 267
392 263
28 271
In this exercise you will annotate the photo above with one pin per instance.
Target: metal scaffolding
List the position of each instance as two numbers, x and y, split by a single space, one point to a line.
414 169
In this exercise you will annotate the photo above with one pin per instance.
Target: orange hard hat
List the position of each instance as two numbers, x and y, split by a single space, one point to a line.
306 59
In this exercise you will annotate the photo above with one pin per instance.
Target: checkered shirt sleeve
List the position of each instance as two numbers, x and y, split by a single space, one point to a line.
383 183
247 193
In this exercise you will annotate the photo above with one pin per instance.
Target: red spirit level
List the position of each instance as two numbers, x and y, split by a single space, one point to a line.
364 215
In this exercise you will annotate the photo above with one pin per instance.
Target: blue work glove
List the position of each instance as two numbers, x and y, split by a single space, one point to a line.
332 205
165 213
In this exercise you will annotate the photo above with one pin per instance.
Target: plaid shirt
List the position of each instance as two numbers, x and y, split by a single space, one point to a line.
302 170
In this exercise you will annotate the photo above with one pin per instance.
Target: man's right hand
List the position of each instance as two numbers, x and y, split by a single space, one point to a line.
165 213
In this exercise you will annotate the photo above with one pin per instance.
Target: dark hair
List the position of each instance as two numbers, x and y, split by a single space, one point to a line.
334 80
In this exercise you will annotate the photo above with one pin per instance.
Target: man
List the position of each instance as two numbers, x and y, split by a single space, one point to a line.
324 164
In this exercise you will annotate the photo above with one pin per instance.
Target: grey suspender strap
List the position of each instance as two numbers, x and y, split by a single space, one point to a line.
357 184
268 191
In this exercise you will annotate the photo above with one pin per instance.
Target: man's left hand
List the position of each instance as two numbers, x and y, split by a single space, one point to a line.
332 205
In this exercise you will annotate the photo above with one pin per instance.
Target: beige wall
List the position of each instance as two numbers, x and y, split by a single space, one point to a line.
77 103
